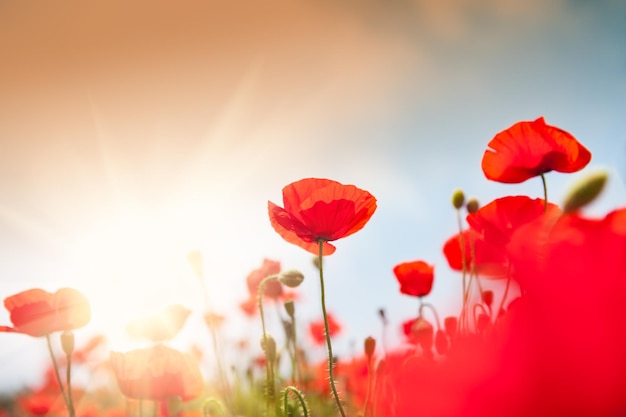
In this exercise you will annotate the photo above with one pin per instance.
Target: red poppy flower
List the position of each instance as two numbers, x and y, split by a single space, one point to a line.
558 350
320 210
157 373
489 261
497 221
415 278
273 288
316 329
528 149
37 312
163 325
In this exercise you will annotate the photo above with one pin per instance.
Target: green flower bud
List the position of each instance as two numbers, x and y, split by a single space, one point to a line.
291 278
585 191
290 308
458 199
67 342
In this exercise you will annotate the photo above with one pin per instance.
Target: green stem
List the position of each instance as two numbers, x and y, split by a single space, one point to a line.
288 389
56 372
463 269
68 378
294 361
269 363
327 332
545 193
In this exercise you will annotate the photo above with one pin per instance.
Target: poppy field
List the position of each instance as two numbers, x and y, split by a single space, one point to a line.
551 342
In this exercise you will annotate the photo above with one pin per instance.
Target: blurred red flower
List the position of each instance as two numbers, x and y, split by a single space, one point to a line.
531 148
46 399
557 351
415 278
491 229
37 312
497 221
316 329
323 210
249 306
489 261
419 332
162 325
157 373
273 288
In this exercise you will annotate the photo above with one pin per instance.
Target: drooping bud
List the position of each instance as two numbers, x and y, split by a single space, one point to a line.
268 344
291 278
450 324
369 346
472 205
290 308
67 342
584 192
458 199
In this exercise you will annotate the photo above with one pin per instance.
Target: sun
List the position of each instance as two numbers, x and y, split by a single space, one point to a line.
131 264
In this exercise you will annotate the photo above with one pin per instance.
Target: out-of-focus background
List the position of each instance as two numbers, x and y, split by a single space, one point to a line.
134 132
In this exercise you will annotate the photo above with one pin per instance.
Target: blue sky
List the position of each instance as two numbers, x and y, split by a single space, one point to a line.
131 135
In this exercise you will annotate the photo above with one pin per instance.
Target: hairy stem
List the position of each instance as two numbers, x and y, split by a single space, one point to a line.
327 332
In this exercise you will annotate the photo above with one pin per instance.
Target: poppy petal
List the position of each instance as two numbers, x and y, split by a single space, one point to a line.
285 225
528 149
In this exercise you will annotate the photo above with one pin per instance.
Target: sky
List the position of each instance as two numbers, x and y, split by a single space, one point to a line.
134 132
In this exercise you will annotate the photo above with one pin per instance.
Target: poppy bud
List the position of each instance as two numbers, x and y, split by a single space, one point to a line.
316 262
487 297
441 342
369 346
291 278
268 344
585 191
450 324
458 199
67 342
290 308
472 205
